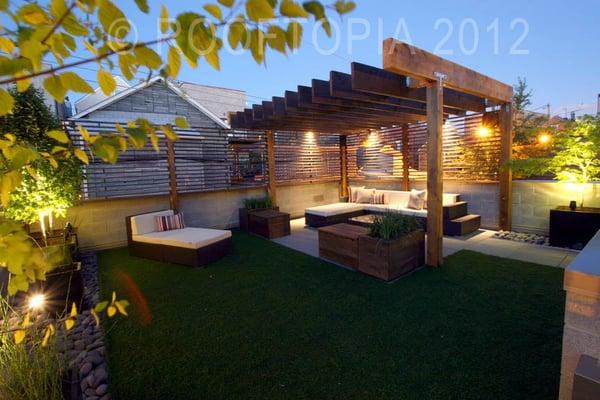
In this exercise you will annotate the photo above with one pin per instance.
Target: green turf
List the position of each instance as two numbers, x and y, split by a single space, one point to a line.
269 323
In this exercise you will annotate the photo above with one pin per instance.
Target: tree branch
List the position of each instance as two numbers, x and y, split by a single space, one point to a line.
82 62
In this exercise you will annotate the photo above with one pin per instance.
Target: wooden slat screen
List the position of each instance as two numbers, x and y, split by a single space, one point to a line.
306 157
205 160
467 155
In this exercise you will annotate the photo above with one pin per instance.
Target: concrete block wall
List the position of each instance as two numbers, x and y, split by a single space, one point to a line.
483 198
101 224
294 199
533 200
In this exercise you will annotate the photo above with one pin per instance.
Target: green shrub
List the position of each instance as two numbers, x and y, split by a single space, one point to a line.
257 203
45 190
28 370
393 226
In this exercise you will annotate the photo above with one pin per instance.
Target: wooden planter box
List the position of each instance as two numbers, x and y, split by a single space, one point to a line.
269 224
390 259
339 243
244 215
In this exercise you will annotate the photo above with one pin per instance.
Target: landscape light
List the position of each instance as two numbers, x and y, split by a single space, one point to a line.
483 131
37 301
544 138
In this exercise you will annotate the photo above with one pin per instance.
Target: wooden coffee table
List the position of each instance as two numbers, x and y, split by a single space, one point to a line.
339 243
269 223
363 220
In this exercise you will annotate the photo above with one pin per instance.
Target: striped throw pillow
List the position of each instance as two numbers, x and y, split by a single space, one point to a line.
170 222
378 198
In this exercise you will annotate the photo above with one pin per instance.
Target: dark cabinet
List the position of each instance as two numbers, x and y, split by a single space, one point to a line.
573 228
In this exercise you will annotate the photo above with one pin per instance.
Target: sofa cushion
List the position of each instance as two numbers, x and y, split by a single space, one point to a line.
146 223
378 197
334 209
353 192
395 197
364 196
190 238
416 199
169 222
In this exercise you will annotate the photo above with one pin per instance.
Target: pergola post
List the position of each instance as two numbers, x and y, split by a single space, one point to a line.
405 171
506 139
173 199
343 167
271 186
435 123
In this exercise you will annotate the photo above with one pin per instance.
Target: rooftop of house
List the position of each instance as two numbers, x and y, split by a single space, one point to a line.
218 100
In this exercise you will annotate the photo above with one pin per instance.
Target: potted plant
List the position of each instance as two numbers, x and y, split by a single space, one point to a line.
395 246
254 204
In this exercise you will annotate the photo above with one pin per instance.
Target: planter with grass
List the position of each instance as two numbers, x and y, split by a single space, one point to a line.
395 246
253 205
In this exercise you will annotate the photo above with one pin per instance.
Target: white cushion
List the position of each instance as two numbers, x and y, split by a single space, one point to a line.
146 223
410 211
416 199
352 192
364 195
450 198
334 209
190 238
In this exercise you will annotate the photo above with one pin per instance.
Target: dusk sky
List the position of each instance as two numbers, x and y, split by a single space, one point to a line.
556 41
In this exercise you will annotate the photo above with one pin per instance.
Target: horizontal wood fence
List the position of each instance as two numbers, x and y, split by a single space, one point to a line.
218 159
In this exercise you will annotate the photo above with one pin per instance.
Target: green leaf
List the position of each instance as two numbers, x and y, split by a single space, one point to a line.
127 65
257 45
174 60
59 136
112 19
106 81
259 10
53 85
148 57
315 8
344 7
33 14
74 82
80 154
292 9
143 6
181 122
72 26
226 3
293 35
236 35
214 10
58 8
101 306
6 102
276 38
169 132
164 19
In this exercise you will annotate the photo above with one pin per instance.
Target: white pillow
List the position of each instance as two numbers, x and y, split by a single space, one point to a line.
416 199
364 195
353 193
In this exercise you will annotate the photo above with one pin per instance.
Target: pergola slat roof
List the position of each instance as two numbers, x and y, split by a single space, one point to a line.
367 98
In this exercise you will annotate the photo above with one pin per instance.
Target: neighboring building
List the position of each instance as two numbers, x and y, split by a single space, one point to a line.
201 152
91 99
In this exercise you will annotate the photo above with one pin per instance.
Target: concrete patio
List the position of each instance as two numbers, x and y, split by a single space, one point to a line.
305 240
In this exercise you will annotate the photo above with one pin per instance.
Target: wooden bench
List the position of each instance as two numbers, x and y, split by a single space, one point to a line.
339 243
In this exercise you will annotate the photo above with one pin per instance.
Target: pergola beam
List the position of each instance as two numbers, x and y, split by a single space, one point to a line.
405 59
376 81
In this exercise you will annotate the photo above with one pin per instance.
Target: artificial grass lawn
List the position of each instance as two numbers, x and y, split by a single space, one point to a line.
270 323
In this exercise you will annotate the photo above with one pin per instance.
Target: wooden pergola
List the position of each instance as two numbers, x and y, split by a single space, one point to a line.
413 86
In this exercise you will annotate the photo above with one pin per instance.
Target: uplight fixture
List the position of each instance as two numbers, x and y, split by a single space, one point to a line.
37 301
483 131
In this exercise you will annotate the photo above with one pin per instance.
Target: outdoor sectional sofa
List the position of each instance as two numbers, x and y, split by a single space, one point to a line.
189 246
457 220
